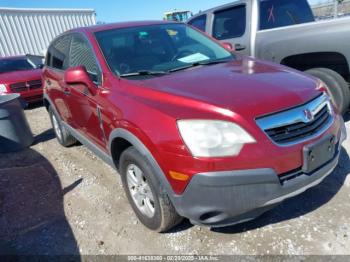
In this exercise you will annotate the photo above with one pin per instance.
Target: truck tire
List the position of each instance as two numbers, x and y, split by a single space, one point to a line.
343 84
62 134
336 86
150 203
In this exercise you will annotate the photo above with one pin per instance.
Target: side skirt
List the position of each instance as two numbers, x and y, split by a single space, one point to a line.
92 147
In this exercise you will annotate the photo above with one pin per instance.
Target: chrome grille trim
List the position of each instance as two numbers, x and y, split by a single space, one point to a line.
295 120
25 86
34 84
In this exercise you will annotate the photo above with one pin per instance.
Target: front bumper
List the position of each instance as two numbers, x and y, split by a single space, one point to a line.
231 197
32 96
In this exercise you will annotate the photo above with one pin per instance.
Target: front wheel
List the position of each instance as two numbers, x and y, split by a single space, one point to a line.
151 205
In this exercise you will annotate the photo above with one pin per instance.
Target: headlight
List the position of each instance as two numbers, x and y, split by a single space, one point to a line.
3 88
212 138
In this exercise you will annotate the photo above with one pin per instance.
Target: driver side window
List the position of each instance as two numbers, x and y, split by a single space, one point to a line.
82 55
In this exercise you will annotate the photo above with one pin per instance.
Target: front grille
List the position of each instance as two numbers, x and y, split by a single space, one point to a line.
290 133
35 84
300 123
25 86
18 87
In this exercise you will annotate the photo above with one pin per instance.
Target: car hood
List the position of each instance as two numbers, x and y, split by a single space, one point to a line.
245 86
20 76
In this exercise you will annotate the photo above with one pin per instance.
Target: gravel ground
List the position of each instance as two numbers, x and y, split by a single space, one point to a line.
56 200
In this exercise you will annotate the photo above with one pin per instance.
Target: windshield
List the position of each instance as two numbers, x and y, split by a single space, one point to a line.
160 48
11 65
278 13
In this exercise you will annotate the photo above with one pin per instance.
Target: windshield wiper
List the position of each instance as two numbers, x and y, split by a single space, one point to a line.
145 73
200 63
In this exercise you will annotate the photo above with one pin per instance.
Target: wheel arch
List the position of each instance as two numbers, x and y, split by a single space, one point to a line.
331 60
46 103
124 138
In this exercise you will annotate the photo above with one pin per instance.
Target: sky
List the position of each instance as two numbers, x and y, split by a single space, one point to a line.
124 10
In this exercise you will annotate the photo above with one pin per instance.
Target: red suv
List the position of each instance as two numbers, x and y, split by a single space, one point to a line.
19 75
194 130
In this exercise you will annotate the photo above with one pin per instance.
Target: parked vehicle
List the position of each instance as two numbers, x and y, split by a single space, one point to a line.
285 32
18 74
194 130
179 16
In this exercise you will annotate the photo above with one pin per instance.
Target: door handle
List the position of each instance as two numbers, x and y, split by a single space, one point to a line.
239 47
66 91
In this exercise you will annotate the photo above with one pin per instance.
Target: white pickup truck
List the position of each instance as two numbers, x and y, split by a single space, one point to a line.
285 32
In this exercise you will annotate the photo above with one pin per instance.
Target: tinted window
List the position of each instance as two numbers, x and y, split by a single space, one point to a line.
11 65
58 53
157 48
278 13
48 58
230 23
199 22
82 55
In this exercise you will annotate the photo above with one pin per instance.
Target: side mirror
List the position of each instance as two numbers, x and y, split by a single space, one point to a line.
79 75
228 46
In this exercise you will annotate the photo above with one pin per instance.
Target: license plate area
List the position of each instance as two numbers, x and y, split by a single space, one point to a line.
318 154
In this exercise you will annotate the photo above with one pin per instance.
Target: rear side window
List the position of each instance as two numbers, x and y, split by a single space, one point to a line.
279 13
82 55
199 22
57 56
230 23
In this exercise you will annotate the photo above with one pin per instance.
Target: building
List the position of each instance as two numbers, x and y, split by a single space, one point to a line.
29 31
326 10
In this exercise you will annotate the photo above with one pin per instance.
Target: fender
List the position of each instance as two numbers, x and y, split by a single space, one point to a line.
132 139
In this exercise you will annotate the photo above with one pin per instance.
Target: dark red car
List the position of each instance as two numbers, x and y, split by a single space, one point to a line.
20 75
194 130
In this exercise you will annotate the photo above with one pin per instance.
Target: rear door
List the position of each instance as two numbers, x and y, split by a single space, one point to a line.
53 75
230 25
199 22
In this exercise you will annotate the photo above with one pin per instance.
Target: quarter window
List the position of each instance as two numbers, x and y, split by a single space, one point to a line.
82 55
230 23
199 22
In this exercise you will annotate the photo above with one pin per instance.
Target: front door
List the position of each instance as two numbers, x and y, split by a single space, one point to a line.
230 25
86 112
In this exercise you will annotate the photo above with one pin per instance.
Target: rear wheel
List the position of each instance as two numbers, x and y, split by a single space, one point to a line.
62 134
150 203
336 86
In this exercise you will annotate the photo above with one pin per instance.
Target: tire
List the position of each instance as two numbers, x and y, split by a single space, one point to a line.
152 207
343 84
336 86
62 134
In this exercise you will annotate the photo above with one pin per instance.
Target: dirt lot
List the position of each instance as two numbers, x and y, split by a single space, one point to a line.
55 200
